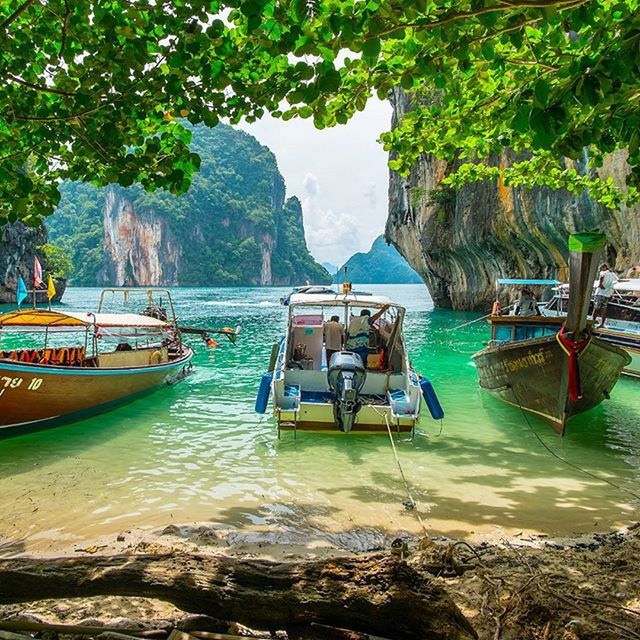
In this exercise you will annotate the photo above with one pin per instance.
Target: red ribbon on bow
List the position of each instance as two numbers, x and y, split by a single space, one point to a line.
573 350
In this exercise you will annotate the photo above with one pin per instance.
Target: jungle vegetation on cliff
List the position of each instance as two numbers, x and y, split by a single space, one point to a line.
90 90
234 211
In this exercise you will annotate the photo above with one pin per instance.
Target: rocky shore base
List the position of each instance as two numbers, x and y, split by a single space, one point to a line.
532 588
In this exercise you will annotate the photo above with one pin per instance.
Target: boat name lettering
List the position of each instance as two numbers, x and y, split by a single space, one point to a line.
13 383
10 383
530 360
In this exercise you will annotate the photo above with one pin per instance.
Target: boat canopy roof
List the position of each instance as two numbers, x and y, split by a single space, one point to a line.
339 300
525 281
53 319
633 284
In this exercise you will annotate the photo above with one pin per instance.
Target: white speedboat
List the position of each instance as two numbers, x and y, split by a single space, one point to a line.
345 394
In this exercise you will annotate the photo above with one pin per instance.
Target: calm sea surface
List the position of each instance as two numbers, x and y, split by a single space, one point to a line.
197 452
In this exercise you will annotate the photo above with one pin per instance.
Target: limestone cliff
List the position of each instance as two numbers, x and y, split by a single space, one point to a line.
232 227
461 241
18 246
139 247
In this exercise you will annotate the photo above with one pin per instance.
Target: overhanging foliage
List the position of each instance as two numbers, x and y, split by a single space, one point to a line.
91 90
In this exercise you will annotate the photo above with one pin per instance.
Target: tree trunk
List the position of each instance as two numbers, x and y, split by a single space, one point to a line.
380 595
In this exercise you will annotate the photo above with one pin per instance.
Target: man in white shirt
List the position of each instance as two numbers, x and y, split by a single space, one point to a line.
604 291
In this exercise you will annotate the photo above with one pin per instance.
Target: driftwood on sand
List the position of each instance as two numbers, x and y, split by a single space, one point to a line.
378 595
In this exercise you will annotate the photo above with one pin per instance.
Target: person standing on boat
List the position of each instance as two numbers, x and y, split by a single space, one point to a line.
333 337
359 332
526 306
604 291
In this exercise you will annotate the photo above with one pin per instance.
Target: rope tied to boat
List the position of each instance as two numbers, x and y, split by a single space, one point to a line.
573 349
410 504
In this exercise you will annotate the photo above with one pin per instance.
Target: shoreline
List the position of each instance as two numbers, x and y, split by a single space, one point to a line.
280 545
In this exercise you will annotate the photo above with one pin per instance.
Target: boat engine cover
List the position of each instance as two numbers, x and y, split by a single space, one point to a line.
346 377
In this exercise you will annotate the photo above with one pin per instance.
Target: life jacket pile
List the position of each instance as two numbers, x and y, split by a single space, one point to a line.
66 356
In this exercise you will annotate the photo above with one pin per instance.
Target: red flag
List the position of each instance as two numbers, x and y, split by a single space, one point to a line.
37 274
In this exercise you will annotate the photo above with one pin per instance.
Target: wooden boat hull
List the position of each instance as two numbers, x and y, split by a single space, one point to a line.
533 375
34 396
627 340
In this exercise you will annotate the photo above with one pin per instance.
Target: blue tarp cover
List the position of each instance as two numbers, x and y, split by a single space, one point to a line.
527 281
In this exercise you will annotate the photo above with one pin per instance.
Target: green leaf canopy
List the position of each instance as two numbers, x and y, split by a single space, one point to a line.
95 90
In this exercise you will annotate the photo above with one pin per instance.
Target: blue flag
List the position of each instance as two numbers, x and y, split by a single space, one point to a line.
21 292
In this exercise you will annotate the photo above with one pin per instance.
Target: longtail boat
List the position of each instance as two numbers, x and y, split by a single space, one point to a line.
554 368
86 364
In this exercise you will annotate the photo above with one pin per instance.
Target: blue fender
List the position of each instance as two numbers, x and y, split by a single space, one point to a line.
430 397
262 399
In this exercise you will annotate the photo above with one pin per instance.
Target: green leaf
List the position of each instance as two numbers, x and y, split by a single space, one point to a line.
371 48
521 119
541 93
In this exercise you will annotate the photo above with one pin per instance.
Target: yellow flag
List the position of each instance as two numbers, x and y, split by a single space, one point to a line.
51 290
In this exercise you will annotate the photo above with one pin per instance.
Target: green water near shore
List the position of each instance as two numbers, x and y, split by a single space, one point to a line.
197 453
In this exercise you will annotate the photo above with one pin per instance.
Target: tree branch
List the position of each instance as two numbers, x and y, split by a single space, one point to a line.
505 6
373 594
17 13
37 87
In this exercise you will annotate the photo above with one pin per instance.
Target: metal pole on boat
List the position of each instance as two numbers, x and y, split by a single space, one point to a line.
584 249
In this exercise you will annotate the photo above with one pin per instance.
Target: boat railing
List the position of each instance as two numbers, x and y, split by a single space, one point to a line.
128 293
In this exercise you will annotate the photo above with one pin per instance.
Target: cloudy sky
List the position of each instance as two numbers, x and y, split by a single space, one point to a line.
339 174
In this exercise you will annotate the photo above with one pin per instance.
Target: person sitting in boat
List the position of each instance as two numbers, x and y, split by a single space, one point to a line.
526 306
333 336
604 291
358 335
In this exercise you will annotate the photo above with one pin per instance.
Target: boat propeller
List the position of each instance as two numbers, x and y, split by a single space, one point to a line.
346 378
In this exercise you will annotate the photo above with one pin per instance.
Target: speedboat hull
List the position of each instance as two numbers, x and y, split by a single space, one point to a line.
534 376
36 396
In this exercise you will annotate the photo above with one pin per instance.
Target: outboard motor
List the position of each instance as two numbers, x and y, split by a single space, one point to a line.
346 377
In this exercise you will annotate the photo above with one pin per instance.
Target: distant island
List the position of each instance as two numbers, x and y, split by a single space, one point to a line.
330 267
233 227
382 264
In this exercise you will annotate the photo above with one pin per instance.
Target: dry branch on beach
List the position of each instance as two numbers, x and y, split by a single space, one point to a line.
378 595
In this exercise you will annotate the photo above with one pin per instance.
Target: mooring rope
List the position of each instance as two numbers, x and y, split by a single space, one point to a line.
466 324
586 472
411 504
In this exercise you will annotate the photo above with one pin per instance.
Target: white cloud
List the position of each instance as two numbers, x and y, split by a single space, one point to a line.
339 174
328 233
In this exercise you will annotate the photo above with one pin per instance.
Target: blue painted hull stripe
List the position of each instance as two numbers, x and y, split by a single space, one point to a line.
85 371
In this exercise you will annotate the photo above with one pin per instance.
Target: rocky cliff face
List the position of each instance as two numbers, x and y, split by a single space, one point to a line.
17 248
139 247
232 227
461 241
18 245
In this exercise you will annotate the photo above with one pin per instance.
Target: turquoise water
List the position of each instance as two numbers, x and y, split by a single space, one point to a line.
197 452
